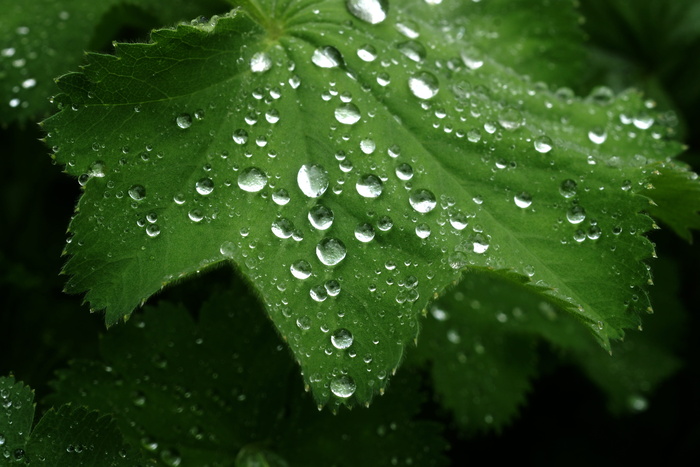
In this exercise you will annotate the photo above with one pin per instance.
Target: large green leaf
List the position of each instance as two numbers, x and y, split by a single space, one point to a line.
67 436
224 390
351 171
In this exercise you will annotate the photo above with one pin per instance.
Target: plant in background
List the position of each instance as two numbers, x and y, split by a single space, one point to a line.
379 175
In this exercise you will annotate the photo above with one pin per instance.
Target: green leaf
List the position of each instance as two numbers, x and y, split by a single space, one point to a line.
234 140
71 437
44 38
196 391
675 195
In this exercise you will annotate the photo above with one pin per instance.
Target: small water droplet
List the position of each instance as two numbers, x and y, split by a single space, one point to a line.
282 227
260 62
423 230
304 323
240 136
543 144
252 180
568 188
364 232
424 85
171 457
385 223
227 249
369 186
280 197
195 215
370 11
330 251
413 49
321 217
327 57
301 269
153 230
576 214
312 180
204 186
318 293
342 338
510 119
422 200
347 114
597 135
184 121
404 171
367 53
343 386
474 135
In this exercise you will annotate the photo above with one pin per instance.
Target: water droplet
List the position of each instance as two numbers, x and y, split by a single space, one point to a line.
422 200
576 214
195 215
153 230
330 251
171 457
252 180
341 338
543 144
594 232
332 287
272 116
304 323
97 169
312 180
404 172
368 146
280 197
643 121
204 186
370 11
469 57
343 387
474 135
318 293
458 220
369 186
301 269
479 243
413 49
347 114
321 217
137 192
385 223
423 85
423 230
597 135
523 199
510 119
28 83
227 249
567 188
364 232
240 136
282 227
327 57
367 53
184 121
260 62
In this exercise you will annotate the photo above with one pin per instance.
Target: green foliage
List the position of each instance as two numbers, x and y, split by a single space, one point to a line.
410 191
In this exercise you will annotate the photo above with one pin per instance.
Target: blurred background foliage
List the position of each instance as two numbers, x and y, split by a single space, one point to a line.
653 45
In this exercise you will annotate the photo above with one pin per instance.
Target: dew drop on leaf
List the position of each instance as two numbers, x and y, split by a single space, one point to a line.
240 136
260 62
370 11
280 197
342 338
153 230
301 269
423 85
137 192
332 287
523 199
413 49
171 457
597 135
330 251
321 217
510 119
204 186
369 186
195 215
385 223
318 293
404 172
422 200
576 214
184 121
282 227
343 386
304 323
312 180
543 144
567 188
364 232
252 180
423 230
347 114
367 53
327 57
227 249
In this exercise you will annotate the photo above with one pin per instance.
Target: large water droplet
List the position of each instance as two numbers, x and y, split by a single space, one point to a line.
260 62
153 230
204 186
364 232
341 338
543 144
330 251
423 85
369 186
523 199
312 180
184 121
301 269
282 227
137 192
327 57
576 214
321 217
252 180
422 200
240 136
370 11
343 387
347 114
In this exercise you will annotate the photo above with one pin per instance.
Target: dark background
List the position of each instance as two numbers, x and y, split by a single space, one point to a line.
650 44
